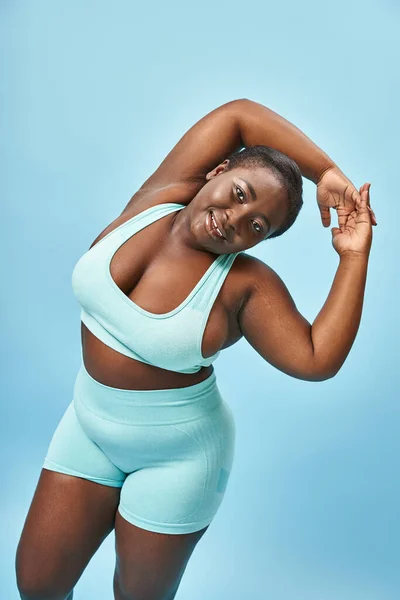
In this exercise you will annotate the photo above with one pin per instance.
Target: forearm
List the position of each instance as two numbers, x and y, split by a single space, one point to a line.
335 327
260 125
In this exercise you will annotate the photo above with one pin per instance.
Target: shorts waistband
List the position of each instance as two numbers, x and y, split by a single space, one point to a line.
147 407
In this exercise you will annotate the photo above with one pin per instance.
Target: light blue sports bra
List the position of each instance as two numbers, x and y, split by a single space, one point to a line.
170 340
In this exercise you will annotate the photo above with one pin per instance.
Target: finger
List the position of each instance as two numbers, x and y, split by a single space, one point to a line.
363 188
371 212
325 215
372 215
363 208
364 199
368 195
356 196
342 220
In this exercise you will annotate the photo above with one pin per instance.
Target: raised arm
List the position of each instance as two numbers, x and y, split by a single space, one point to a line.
241 123
201 149
227 128
271 323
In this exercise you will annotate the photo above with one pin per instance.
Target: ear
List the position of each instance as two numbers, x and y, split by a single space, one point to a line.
220 169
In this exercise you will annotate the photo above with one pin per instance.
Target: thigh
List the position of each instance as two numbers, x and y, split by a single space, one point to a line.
150 564
182 485
73 451
166 507
72 511
68 519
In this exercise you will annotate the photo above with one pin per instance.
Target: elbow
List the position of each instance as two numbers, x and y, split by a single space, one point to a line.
322 372
241 100
322 368
240 103
238 106
322 375
314 374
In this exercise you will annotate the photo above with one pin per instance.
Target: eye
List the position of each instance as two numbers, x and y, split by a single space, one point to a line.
240 192
260 226
241 195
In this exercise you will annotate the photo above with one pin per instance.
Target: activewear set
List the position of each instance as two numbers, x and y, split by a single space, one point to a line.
169 450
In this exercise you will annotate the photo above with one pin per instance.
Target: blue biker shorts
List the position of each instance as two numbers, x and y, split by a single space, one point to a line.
170 450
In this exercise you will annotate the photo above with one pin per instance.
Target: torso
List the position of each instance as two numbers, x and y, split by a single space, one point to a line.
151 274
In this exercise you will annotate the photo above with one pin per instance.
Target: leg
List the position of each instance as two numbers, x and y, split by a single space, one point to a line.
68 519
72 512
167 507
150 565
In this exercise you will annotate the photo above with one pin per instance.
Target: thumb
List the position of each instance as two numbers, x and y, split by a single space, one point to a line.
325 215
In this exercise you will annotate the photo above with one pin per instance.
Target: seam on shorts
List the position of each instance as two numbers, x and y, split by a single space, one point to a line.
170 525
144 424
69 471
206 476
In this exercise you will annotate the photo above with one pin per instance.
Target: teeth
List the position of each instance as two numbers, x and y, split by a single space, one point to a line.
215 225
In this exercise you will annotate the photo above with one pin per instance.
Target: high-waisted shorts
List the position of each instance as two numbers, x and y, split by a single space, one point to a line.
169 450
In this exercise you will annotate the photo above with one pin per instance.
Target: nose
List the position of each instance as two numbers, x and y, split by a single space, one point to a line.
233 219
229 224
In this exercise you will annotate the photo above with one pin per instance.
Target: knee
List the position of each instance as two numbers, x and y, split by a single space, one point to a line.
36 581
31 588
142 590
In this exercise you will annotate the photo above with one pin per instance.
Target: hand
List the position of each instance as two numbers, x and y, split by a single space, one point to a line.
355 237
335 190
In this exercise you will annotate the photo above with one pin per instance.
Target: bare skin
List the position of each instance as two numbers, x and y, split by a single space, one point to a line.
69 516
62 502
179 245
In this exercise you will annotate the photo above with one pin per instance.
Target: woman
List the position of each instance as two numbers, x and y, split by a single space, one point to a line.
147 443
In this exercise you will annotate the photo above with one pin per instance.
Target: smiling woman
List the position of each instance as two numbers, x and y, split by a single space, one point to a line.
146 444
286 173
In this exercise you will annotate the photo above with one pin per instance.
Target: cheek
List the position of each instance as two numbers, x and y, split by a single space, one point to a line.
220 193
218 197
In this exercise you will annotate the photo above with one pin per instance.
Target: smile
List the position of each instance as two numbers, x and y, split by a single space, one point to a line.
212 227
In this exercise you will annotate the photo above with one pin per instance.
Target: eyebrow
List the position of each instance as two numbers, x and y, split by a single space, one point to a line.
254 195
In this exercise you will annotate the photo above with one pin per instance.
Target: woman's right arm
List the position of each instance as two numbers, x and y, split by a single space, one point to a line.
271 323
227 128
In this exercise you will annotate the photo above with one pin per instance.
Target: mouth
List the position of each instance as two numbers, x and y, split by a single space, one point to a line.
214 228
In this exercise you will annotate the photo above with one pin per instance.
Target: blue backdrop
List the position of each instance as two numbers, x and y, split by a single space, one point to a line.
94 95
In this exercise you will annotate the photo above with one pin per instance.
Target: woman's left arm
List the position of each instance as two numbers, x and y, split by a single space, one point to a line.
261 125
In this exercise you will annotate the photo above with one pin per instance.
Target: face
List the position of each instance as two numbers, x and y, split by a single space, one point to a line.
247 204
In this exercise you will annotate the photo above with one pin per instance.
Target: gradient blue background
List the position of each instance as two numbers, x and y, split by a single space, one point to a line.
94 95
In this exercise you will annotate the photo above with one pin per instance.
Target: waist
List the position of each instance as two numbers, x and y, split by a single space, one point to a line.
161 406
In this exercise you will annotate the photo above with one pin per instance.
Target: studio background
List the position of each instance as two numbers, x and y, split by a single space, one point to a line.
94 95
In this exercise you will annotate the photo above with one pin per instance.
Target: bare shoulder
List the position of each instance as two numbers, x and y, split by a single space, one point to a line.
270 321
254 274
144 198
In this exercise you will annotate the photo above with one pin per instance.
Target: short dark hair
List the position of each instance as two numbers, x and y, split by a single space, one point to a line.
285 170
